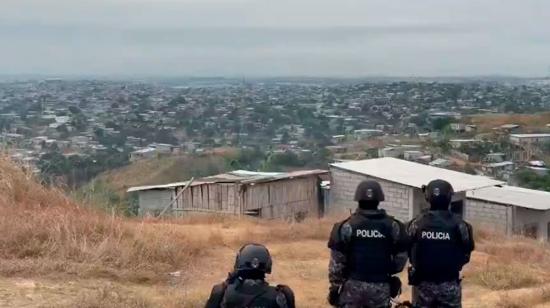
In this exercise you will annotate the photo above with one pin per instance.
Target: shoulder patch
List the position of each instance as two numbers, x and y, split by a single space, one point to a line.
466 234
288 295
412 228
336 242
395 230
346 231
281 300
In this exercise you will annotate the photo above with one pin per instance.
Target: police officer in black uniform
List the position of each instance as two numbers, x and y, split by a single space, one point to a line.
441 244
246 286
366 250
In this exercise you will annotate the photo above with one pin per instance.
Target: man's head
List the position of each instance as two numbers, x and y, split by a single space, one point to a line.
369 194
253 262
439 194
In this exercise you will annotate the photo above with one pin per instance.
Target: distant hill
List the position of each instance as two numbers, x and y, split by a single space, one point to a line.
528 122
164 170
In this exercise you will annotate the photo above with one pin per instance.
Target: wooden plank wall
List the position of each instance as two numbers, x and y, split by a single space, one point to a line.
216 197
285 198
278 199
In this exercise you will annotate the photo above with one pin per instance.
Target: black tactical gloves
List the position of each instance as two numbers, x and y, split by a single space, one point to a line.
333 296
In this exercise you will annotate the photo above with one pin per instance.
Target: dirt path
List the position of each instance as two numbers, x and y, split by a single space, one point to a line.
43 293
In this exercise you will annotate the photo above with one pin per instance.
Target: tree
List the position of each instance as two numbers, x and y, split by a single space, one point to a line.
80 122
371 153
439 124
180 100
74 110
285 138
63 131
444 145
529 179
164 136
281 161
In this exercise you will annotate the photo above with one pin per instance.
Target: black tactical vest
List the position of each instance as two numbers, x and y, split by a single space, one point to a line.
370 248
437 252
244 295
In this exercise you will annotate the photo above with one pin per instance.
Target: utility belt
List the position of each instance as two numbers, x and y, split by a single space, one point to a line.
416 277
393 281
371 278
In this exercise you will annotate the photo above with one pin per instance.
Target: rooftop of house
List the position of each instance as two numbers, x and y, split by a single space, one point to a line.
530 135
143 151
414 174
464 140
509 126
500 164
511 195
238 176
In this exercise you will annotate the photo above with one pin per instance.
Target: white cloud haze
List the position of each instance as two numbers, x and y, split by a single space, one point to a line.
275 38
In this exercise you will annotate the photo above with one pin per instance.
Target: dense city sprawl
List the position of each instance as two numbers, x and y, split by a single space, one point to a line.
80 128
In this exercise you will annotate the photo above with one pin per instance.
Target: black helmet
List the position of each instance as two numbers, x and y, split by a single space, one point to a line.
369 191
253 257
439 191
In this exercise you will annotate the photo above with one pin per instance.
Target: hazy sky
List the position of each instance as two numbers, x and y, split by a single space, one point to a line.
275 37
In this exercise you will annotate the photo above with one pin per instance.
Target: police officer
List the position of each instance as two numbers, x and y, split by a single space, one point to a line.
246 285
441 244
366 250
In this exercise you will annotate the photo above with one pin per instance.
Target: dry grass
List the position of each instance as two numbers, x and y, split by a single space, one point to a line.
107 297
37 223
508 263
47 237
500 276
163 170
539 297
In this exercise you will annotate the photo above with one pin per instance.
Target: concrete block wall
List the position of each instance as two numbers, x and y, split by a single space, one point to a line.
492 216
541 219
342 191
153 201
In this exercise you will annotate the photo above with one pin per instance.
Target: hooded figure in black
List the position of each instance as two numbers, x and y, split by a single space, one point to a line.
246 286
366 250
441 244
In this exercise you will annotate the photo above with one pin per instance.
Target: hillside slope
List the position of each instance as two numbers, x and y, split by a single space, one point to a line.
528 122
57 253
162 170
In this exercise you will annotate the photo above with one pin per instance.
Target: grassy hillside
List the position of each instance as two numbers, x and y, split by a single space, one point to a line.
163 170
528 122
57 253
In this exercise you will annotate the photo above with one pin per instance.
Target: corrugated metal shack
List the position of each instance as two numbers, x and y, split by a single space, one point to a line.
266 195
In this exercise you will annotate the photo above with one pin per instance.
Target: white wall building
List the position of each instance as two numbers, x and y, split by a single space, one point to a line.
512 210
529 139
402 183
528 145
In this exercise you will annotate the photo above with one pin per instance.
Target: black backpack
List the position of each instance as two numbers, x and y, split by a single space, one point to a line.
218 294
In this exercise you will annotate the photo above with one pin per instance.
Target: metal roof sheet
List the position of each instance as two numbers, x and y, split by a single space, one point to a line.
161 186
501 164
239 176
282 176
511 195
530 135
414 174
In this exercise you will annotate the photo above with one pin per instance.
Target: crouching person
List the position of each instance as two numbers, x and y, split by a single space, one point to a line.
246 285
